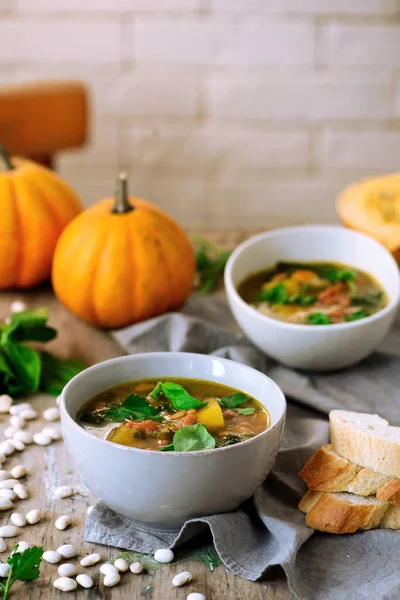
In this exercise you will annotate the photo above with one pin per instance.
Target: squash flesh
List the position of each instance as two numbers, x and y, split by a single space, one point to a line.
211 415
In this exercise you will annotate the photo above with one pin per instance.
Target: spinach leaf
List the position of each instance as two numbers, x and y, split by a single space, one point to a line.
306 300
355 316
8 381
29 325
371 299
56 373
233 438
24 362
134 407
277 294
191 438
178 396
234 400
245 411
318 318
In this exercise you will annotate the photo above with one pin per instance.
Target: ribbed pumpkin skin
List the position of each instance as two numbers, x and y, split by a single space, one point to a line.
35 206
112 270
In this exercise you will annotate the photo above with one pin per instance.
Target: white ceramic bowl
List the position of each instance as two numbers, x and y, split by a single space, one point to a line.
322 347
164 489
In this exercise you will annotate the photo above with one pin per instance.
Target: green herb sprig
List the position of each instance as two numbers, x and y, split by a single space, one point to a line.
24 566
318 318
210 264
134 407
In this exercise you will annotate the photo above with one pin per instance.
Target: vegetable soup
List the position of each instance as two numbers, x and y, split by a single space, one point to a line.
313 293
178 415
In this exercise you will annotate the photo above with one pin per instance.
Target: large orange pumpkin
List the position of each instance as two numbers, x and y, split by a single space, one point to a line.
35 206
122 260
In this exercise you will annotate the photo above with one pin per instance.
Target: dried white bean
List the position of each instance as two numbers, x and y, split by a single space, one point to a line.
18 445
164 555
67 551
5 403
33 516
136 568
108 568
182 578
52 557
64 491
121 565
5 504
52 432
3 545
85 581
8 484
21 490
17 409
89 509
65 584
5 475
24 436
67 570
7 448
18 471
195 596
10 432
111 579
42 439
90 559
18 519
63 522
8 531
17 421
9 494
29 414
51 414
22 546
4 570
18 306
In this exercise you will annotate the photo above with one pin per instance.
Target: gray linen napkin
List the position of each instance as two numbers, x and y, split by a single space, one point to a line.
318 566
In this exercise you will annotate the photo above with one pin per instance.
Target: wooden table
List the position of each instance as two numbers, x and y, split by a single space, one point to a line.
50 467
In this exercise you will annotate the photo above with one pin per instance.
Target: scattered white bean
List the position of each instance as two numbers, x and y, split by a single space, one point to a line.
164 555
3 545
121 565
52 432
182 578
41 439
29 414
4 570
112 579
136 568
9 494
90 559
8 484
67 551
67 570
22 546
21 490
64 491
8 531
5 403
195 596
58 400
18 520
85 581
10 432
65 584
17 409
26 437
33 516
51 414
18 471
63 522
52 557
108 568
7 448
89 509
5 475
17 421
18 445
17 306
5 504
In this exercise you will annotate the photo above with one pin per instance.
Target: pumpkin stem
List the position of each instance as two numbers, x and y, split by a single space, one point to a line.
6 159
122 204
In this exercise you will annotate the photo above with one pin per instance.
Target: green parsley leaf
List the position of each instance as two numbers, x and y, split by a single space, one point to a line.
355 316
210 264
29 325
245 411
25 565
135 408
179 397
24 362
318 318
277 294
371 299
306 300
191 438
233 400
56 372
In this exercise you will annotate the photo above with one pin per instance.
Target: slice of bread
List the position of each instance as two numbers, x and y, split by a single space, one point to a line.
366 482
367 440
327 471
342 513
391 518
390 491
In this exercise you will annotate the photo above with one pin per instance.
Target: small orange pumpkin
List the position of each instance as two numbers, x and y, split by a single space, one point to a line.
35 206
121 261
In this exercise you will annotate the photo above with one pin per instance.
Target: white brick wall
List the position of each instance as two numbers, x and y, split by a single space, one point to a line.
227 113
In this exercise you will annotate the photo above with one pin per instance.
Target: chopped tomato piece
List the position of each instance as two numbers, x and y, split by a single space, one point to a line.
143 425
189 420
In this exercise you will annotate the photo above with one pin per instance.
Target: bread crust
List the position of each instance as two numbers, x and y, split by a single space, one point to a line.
390 492
327 471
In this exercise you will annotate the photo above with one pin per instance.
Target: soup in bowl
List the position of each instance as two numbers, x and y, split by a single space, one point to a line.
177 435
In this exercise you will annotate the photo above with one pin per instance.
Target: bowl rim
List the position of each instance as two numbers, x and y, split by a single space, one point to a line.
131 357
329 229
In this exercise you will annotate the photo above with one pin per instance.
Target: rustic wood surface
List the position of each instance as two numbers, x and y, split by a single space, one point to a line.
50 467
